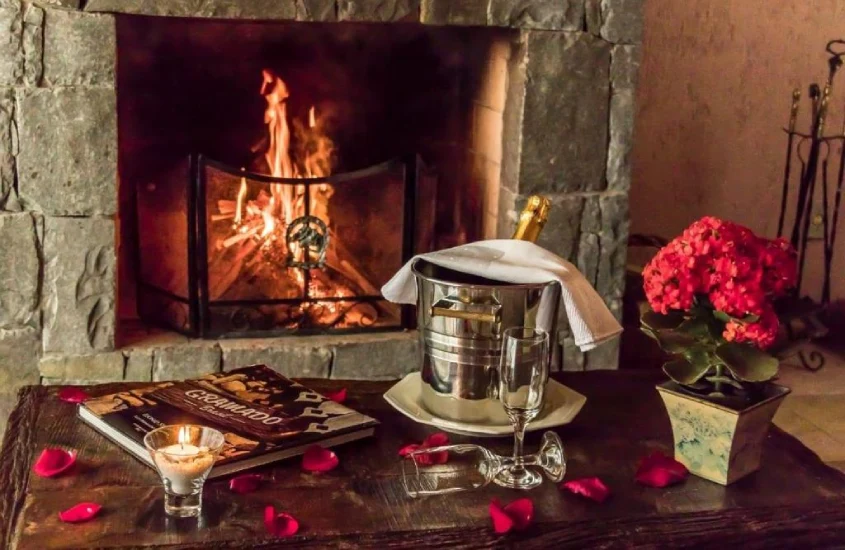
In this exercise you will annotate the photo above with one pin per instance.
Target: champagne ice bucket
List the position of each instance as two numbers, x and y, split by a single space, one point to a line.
461 319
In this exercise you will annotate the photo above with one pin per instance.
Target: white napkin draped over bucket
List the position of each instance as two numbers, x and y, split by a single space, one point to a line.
517 261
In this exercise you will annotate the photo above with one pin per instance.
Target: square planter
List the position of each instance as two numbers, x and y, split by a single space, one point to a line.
716 441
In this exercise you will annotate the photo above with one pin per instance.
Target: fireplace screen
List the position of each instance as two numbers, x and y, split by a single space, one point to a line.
240 253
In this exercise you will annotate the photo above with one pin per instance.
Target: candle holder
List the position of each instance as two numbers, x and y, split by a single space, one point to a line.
183 456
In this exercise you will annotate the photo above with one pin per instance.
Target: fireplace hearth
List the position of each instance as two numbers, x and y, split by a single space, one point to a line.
103 102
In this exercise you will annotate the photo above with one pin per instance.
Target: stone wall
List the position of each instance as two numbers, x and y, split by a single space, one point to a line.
566 133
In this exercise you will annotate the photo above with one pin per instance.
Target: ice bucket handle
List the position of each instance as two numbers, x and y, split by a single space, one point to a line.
455 308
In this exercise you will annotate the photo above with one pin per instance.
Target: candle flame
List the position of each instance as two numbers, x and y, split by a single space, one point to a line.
184 435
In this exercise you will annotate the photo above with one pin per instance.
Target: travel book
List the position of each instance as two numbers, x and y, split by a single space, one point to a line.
263 416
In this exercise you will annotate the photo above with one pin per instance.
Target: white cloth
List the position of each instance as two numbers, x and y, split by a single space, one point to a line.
520 262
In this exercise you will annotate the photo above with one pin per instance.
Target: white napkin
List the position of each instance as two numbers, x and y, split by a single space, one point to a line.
520 262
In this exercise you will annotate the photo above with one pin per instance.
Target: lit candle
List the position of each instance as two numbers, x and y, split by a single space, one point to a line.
183 463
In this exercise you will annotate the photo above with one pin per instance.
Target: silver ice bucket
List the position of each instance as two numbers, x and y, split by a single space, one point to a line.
461 319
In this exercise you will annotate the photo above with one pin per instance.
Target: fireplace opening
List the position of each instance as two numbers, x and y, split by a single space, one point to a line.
273 176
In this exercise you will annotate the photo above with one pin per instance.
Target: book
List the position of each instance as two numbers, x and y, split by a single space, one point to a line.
264 416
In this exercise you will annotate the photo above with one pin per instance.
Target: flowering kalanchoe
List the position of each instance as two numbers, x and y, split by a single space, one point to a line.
725 265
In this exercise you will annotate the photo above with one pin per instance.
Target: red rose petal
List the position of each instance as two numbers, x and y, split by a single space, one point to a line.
281 524
318 459
245 483
408 449
72 394
83 511
590 487
521 512
436 440
52 462
659 470
337 396
502 522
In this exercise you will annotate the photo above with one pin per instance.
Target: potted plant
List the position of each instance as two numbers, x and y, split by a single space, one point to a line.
711 292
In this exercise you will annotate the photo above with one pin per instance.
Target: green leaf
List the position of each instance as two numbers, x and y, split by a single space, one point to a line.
702 355
656 321
747 363
674 342
696 327
722 316
683 372
723 380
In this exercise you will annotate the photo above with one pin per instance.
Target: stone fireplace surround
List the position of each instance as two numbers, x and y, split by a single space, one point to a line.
566 124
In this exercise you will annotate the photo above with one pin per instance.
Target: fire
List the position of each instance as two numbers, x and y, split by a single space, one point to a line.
240 202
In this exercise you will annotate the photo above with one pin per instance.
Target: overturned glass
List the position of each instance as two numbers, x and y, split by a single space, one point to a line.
473 466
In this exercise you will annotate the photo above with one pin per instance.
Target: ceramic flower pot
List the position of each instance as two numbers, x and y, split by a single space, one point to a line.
714 440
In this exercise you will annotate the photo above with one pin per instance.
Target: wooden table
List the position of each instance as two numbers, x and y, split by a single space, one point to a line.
794 500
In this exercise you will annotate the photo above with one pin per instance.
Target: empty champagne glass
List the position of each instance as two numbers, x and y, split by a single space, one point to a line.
463 467
523 373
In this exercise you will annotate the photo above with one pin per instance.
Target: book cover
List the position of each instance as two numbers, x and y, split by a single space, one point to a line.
263 415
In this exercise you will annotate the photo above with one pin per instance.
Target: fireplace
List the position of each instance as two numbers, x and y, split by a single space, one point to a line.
110 107
278 174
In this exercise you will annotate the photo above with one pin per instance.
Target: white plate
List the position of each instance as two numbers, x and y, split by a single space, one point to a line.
561 406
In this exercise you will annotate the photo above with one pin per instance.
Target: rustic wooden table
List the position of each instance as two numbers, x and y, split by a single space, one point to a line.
794 500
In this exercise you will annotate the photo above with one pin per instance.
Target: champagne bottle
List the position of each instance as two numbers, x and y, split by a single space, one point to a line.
532 219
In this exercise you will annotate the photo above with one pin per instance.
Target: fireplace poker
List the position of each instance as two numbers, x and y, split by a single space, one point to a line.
793 116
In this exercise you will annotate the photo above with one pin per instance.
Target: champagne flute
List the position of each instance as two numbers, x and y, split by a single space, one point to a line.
523 373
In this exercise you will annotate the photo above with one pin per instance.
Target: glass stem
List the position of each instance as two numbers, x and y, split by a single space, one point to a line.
519 424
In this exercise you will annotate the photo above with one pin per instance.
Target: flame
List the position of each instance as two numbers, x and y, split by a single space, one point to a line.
269 218
184 435
312 119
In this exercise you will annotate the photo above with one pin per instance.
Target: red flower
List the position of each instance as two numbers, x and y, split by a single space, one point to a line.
81 512
338 396
245 483
726 265
52 462
72 394
516 515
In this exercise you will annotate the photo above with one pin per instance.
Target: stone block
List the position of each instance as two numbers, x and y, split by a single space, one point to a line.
139 366
19 353
11 55
186 361
624 66
378 10
316 10
603 357
622 21
454 12
514 115
55 174
375 356
573 358
537 14
79 48
100 367
79 285
19 270
592 16
33 45
565 124
613 242
294 357
73 4
621 141
8 193
229 9
563 229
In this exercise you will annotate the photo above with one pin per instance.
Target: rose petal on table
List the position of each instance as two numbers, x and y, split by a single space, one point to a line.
338 396
516 515
521 512
437 439
410 448
590 487
280 524
245 483
83 511
71 394
318 459
502 522
659 470
53 461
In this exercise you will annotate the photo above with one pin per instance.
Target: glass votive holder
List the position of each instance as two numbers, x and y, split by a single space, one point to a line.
183 456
